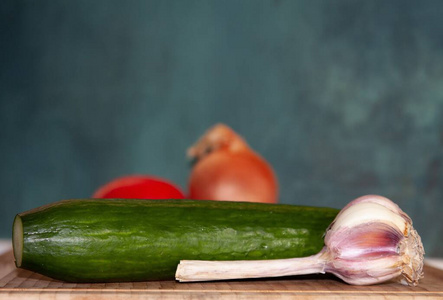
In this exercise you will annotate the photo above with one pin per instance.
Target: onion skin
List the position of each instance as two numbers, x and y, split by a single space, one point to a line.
228 169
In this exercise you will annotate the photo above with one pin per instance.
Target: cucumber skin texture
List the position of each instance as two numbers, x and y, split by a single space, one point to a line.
116 240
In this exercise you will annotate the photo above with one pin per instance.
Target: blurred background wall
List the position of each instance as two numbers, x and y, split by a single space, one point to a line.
343 98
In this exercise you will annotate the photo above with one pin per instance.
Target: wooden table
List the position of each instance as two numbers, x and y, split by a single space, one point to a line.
22 284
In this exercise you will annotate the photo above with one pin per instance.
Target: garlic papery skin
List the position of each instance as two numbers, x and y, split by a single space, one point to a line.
361 212
370 241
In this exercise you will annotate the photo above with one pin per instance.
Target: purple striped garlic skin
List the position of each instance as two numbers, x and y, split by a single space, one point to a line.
379 246
370 241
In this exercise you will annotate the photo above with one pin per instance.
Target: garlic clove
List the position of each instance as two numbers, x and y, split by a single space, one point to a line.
372 240
370 208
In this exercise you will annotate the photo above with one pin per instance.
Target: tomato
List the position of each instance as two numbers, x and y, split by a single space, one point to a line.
227 168
139 187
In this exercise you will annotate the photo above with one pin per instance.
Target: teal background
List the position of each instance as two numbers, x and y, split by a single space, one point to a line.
343 98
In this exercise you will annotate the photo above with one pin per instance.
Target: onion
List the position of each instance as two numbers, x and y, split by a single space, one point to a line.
370 241
228 169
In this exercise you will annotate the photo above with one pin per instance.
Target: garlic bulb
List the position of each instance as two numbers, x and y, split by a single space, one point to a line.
370 241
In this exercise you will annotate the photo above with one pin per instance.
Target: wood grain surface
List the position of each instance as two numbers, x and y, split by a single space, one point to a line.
22 284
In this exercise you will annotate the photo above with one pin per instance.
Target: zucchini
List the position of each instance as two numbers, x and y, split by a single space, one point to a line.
112 240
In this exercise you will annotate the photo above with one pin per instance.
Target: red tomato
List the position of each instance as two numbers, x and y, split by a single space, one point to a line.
139 187
228 169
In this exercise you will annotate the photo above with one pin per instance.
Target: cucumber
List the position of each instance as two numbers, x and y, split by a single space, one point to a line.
116 240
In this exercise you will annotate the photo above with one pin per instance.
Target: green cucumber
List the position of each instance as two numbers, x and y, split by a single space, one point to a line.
111 240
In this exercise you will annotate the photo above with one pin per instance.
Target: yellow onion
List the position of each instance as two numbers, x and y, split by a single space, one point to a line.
370 241
226 168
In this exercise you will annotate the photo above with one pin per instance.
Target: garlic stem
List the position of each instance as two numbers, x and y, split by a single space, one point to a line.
197 270
370 241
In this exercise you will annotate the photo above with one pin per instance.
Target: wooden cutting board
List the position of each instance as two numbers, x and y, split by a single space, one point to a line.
22 284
